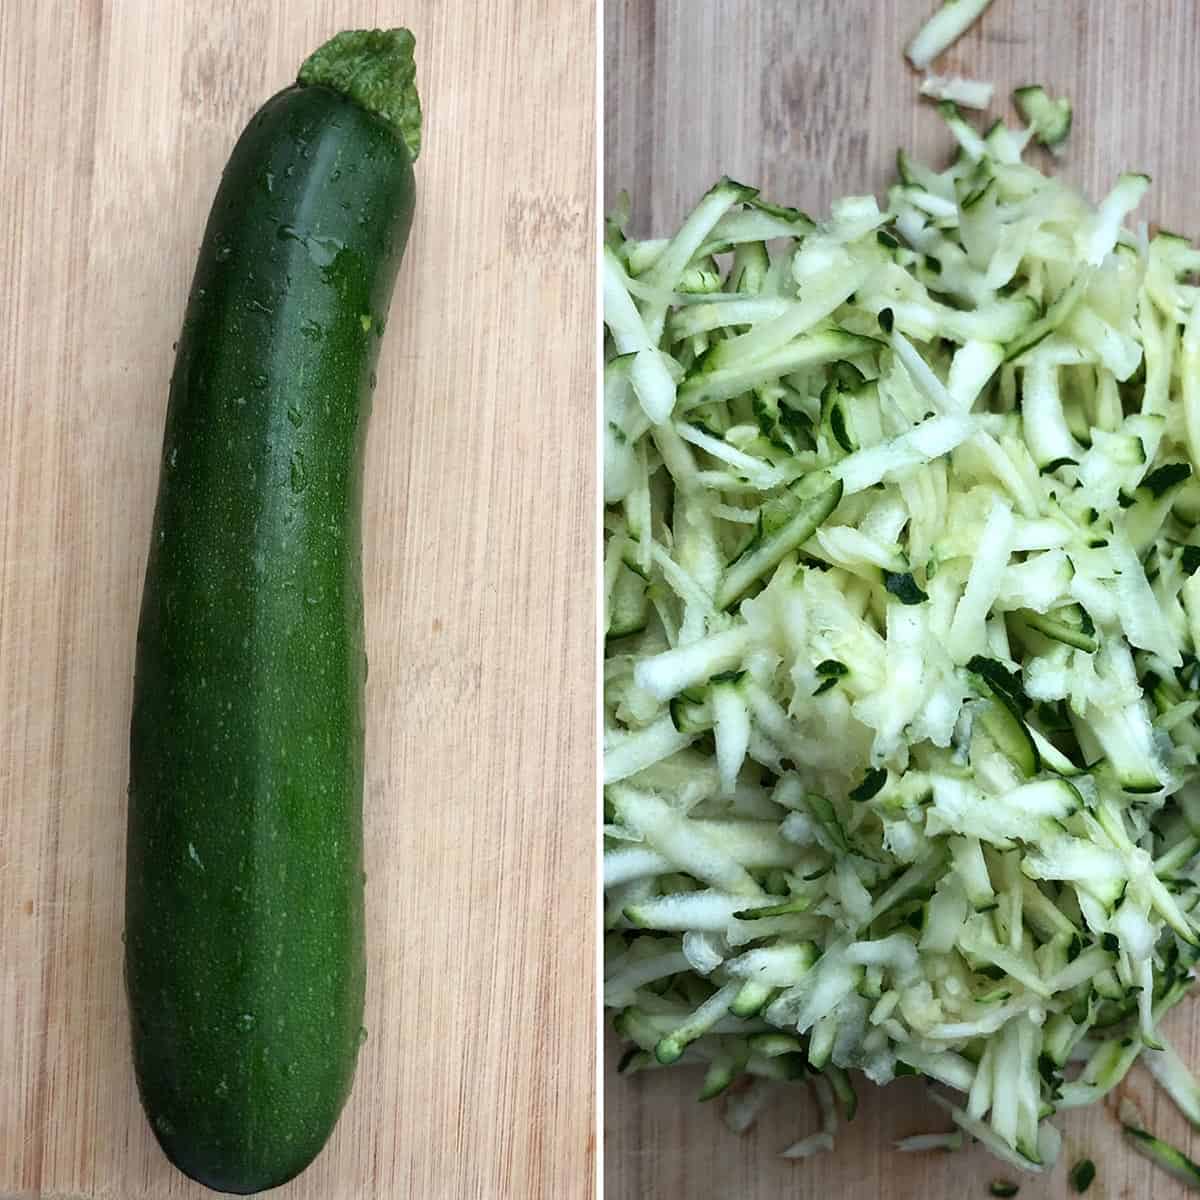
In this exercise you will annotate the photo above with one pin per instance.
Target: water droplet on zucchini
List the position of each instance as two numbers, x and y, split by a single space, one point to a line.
322 250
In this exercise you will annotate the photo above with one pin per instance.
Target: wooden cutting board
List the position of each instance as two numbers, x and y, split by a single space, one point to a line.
116 117
810 101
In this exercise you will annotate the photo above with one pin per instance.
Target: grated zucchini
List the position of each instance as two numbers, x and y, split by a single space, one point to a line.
902 705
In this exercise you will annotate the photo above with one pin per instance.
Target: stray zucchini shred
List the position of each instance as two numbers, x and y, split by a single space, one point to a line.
1082 1174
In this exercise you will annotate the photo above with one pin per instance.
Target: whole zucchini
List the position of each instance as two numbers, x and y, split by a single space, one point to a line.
244 957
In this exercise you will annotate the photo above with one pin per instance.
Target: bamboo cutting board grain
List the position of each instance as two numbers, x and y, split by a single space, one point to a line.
810 101
477 1079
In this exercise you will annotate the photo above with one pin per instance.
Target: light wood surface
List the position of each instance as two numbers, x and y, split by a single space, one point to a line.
810 101
116 116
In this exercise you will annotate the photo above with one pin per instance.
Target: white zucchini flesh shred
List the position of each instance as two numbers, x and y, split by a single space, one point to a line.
970 93
902 665
951 20
1049 120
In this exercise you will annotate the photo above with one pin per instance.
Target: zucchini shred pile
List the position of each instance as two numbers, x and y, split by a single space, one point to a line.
901 688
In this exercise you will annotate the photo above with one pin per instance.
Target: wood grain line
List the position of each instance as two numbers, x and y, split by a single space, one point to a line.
81 113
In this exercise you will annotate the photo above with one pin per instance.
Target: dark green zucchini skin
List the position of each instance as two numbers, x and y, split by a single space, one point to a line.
244 957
